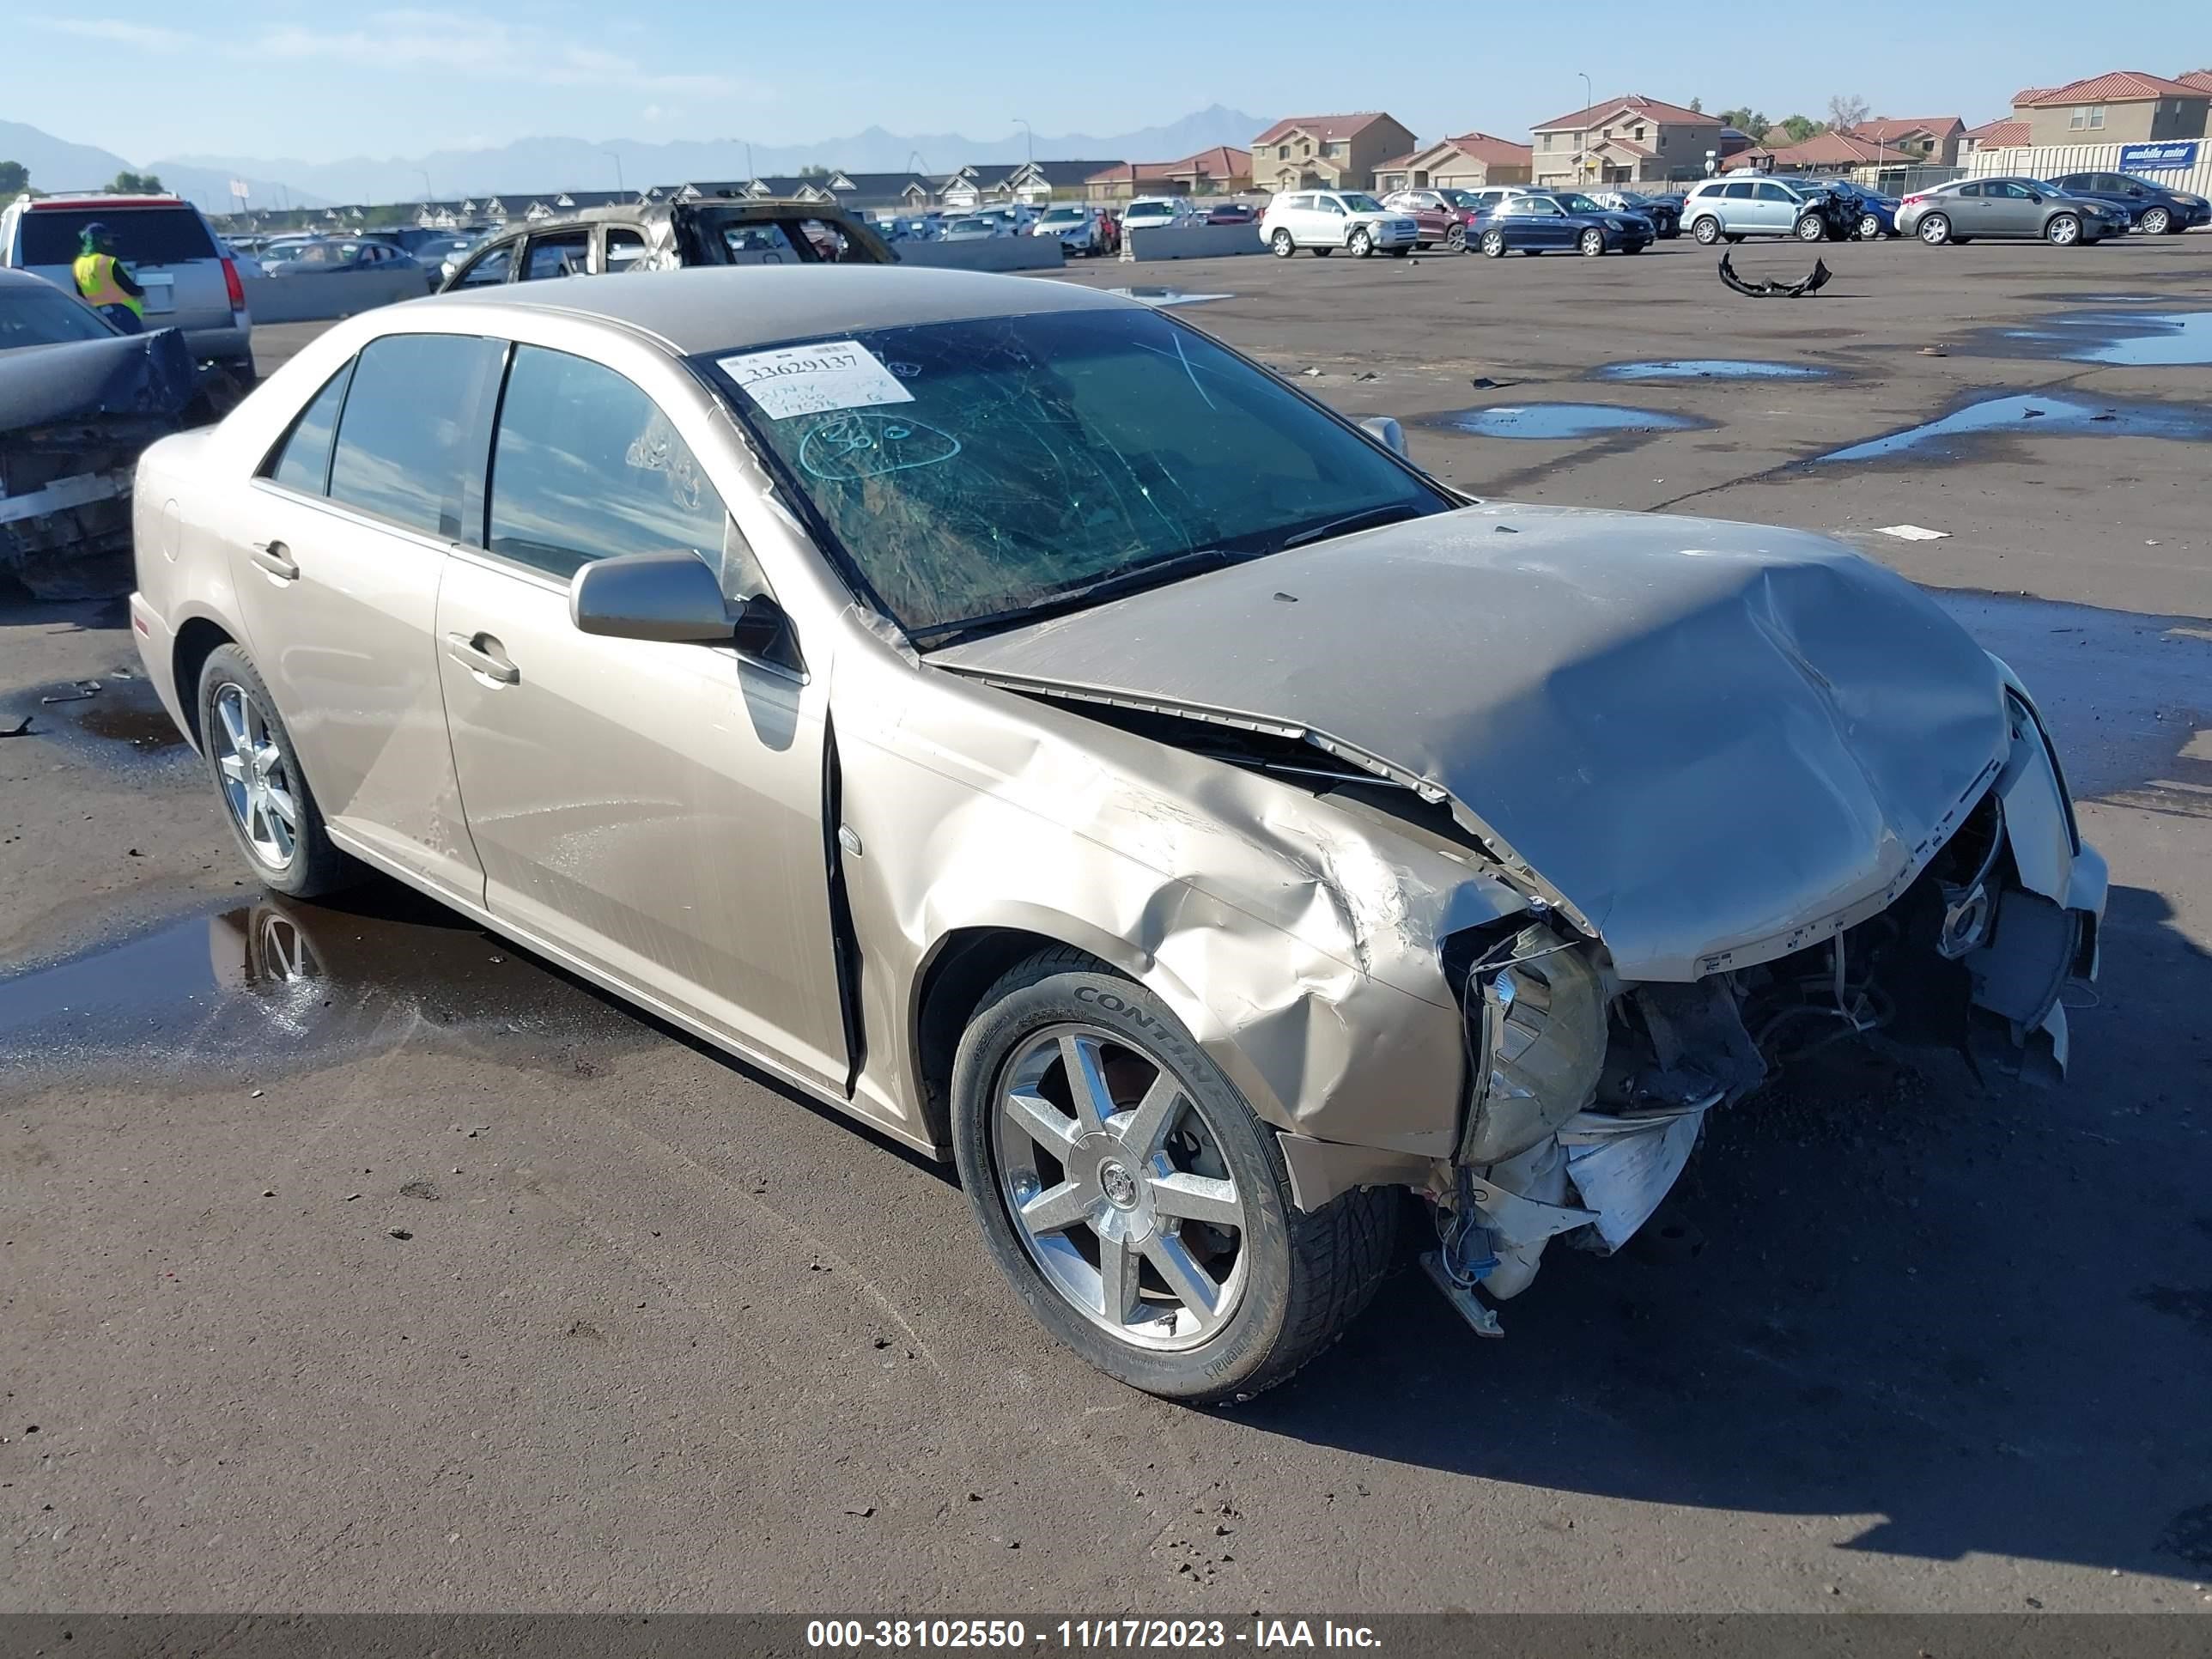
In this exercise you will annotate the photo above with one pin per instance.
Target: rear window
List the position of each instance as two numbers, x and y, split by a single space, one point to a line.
33 311
150 236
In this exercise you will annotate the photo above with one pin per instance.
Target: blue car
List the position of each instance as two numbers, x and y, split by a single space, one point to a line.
1543 221
1873 215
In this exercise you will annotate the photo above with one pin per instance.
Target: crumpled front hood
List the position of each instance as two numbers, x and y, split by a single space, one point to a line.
86 380
1716 742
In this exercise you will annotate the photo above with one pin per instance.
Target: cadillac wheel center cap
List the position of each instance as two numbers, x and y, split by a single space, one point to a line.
1119 1185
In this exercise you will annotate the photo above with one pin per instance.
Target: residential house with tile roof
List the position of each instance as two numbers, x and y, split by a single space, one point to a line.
1223 170
1630 140
1326 152
2124 106
1931 140
1468 161
2003 133
1825 152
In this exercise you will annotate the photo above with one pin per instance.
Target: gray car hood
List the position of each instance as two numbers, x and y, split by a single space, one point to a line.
1709 743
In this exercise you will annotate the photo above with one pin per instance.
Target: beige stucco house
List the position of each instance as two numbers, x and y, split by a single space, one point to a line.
1466 162
1326 152
1631 140
2125 106
1930 140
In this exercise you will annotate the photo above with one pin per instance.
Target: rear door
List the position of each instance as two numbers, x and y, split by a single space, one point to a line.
336 556
654 809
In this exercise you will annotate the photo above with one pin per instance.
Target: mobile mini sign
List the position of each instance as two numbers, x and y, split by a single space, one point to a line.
2159 158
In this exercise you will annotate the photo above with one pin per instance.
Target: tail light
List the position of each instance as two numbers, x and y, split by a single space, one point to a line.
232 286
1911 201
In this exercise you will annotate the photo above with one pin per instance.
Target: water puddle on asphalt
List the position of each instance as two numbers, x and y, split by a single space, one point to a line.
2125 695
2039 414
280 981
146 730
2134 339
1168 296
1712 368
1558 421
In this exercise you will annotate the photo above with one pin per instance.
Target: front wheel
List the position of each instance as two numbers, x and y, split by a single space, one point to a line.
1361 244
273 813
1281 246
1707 231
2064 230
1493 244
1812 229
1137 1206
1592 243
1456 240
1935 230
2156 222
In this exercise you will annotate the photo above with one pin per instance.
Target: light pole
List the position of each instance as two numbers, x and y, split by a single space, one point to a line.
1581 138
424 174
1029 141
616 160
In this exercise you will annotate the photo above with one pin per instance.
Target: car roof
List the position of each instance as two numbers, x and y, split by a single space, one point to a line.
721 308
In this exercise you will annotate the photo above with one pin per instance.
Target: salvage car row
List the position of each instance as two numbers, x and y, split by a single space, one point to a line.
819 656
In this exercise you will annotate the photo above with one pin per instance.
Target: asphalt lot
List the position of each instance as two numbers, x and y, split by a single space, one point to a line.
661 1336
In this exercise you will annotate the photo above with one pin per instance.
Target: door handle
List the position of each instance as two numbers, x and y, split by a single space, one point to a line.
482 655
276 558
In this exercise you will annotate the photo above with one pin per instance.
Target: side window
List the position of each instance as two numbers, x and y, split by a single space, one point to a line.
560 255
1970 190
302 461
492 266
586 466
1774 193
1738 192
1329 204
625 247
410 445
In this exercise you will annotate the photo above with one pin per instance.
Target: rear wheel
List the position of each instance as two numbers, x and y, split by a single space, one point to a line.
1281 246
1592 243
1137 1206
2156 222
1869 227
1707 231
1493 244
1361 243
1935 229
273 813
2064 230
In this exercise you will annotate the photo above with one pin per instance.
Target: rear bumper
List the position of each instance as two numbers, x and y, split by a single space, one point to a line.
156 646
233 345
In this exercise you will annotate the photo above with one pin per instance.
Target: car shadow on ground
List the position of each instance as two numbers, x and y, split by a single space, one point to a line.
1974 1314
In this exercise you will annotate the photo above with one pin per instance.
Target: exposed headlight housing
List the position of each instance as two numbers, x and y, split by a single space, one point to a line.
1534 1009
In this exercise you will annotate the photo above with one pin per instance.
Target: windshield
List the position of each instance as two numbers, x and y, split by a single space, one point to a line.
975 472
1360 203
1063 216
1461 199
39 313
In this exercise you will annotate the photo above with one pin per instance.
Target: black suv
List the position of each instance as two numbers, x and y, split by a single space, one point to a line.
2151 208
662 236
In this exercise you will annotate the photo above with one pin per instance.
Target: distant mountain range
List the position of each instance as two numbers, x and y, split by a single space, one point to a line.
538 164
56 164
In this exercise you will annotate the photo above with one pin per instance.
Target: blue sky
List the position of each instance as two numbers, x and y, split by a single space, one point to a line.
265 78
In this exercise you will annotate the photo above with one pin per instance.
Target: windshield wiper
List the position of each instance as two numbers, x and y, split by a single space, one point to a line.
1366 518
1073 598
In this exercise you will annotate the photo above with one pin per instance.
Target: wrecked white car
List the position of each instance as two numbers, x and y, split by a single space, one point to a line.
997 709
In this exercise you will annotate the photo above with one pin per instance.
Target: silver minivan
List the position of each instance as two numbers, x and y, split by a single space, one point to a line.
1733 209
170 249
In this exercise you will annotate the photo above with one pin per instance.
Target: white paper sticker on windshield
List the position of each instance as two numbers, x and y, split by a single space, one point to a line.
812 379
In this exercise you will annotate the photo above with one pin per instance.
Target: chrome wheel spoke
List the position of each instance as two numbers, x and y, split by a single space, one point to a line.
1184 1197
1086 1083
230 710
1041 1121
232 766
1193 1286
1057 1208
1143 1129
1117 1279
281 801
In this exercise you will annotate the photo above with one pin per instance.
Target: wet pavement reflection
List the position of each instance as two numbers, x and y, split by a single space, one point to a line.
1711 369
282 981
1559 421
2038 415
2134 339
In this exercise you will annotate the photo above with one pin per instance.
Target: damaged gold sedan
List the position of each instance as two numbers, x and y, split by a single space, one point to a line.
999 709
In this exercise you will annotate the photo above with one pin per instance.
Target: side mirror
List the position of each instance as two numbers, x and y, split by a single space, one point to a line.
670 596
1386 432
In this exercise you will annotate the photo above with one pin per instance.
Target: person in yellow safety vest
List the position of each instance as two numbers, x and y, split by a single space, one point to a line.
106 283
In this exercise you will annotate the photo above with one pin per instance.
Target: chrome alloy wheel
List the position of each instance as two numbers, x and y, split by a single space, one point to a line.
1117 1189
255 783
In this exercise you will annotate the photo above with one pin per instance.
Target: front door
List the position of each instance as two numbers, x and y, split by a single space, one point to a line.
1775 208
654 809
2011 209
337 556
